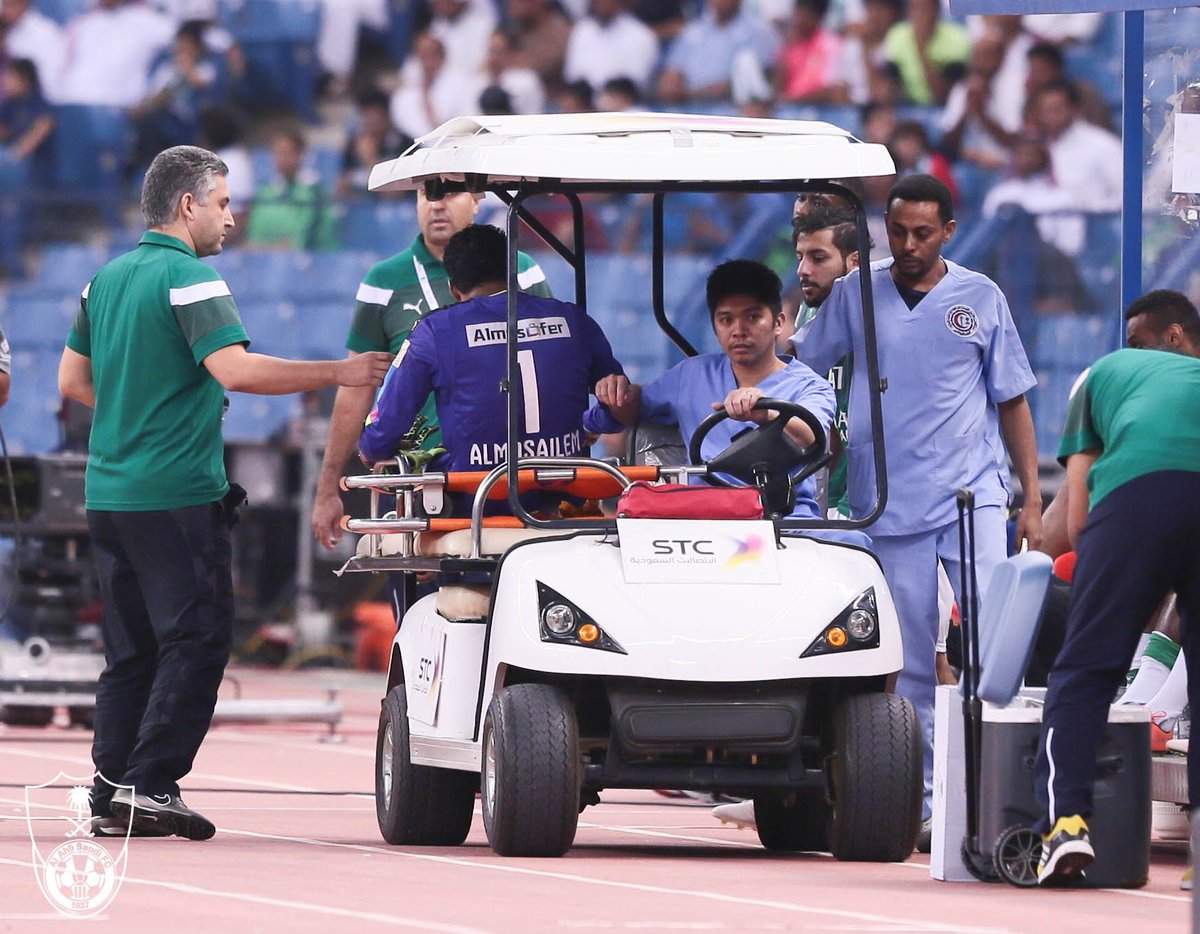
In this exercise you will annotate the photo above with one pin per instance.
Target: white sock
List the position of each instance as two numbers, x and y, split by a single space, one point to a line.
1172 697
1159 656
1143 640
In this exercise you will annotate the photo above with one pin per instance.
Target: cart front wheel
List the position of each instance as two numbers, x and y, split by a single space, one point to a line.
876 781
531 772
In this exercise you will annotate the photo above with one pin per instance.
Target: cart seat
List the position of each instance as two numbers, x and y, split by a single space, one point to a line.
456 544
459 602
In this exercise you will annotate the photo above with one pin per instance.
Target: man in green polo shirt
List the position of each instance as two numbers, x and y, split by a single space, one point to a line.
395 294
1132 451
156 344
826 243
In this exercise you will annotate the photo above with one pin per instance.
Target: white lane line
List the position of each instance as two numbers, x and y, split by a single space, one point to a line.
335 911
234 780
907 924
646 832
313 746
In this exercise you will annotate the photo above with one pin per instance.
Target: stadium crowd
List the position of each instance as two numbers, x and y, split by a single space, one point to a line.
995 106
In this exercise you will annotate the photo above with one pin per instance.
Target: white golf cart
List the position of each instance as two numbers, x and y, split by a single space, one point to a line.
563 657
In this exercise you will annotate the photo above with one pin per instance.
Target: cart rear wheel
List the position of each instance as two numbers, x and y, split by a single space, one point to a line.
531 772
876 781
1016 856
793 822
417 804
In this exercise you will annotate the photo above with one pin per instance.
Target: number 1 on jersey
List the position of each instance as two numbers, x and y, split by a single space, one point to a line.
529 388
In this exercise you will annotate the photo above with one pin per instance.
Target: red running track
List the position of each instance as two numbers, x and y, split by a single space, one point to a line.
298 850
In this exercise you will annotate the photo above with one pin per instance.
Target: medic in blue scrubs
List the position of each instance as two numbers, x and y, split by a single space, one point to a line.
957 376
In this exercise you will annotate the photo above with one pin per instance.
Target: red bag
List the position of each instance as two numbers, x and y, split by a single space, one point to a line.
681 501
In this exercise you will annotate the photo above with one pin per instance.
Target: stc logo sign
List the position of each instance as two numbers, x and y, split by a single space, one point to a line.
683 547
676 550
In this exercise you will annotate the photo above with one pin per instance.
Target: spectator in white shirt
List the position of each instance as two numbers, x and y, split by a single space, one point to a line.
464 26
1085 159
610 43
109 52
1034 189
337 39
504 68
978 125
431 92
29 34
863 74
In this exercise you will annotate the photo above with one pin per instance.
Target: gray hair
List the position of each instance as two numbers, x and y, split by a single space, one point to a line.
175 172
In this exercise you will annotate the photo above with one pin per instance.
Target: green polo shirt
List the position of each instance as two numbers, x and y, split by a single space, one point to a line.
1139 409
396 294
839 377
147 320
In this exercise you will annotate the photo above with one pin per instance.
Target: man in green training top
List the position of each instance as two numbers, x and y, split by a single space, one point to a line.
395 294
155 345
826 242
1131 446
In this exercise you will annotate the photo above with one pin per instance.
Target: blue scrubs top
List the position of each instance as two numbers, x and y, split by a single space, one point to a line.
948 363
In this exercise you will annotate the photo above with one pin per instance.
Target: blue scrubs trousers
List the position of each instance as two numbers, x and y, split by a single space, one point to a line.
910 566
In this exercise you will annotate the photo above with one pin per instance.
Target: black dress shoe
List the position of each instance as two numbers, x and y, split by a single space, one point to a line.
162 812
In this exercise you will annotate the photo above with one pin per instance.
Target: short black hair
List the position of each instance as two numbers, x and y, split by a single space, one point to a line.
841 222
924 188
1061 86
372 97
626 87
744 277
819 7
475 255
1048 51
27 70
1164 307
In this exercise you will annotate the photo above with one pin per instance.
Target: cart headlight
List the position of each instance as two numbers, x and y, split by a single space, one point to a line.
861 624
856 627
558 618
562 621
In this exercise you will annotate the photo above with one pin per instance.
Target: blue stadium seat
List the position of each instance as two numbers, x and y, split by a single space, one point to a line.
274 325
92 145
65 268
257 418
1073 341
846 117
278 39
271 20
62 10
380 225
30 419
33 320
314 276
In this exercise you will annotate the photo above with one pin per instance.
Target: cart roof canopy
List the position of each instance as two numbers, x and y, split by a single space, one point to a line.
649 148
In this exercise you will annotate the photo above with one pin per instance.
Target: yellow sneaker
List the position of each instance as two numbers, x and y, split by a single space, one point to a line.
1066 851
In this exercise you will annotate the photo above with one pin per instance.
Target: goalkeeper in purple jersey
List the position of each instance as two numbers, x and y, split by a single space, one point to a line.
460 355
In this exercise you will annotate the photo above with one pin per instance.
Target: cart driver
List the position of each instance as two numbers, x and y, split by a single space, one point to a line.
460 355
746 309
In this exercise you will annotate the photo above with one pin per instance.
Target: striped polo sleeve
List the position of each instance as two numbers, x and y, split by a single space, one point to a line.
80 337
205 310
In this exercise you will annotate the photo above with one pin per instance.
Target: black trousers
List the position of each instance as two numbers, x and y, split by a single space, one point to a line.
167 593
1140 542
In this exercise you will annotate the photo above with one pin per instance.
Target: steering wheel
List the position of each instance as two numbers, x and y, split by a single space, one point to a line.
765 457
